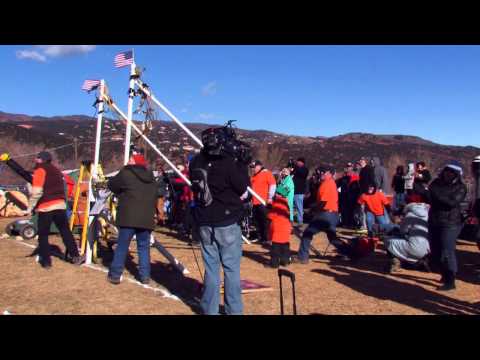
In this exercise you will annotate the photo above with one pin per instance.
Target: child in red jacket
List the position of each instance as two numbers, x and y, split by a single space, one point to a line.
280 227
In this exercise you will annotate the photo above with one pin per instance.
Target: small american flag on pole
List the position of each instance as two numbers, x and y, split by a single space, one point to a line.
88 85
123 59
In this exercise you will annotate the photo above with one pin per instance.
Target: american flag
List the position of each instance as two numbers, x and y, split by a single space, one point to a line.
123 59
88 85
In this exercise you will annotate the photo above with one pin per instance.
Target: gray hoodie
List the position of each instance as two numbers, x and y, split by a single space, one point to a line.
381 176
413 244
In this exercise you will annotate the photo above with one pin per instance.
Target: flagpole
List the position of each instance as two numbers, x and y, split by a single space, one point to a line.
99 129
128 132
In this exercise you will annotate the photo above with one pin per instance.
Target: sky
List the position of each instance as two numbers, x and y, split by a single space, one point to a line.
428 91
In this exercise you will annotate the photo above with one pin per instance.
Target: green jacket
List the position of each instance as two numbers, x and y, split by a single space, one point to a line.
286 188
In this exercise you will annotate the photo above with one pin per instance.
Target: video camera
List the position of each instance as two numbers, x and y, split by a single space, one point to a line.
291 163
223 141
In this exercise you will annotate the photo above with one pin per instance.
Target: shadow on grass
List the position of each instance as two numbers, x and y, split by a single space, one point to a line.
386 288
162 273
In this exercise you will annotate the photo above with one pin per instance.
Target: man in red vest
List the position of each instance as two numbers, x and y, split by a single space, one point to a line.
48 200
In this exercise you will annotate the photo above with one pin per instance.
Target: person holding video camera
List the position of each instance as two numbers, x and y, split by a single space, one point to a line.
219 183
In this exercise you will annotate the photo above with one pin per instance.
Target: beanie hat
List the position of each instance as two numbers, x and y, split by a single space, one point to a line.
139 160
45 156
455 166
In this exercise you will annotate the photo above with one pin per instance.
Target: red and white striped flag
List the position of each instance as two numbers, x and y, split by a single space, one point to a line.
123 59
88 85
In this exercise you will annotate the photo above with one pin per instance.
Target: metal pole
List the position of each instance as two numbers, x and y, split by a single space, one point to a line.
166 111
128 132
192 135
154 147
98 137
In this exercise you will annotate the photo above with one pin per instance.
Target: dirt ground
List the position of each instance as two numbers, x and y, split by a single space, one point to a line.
325 286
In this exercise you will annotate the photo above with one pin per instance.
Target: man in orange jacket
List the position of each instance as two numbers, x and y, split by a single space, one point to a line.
326 218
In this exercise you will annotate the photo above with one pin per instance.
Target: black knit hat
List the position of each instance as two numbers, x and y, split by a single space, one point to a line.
45 156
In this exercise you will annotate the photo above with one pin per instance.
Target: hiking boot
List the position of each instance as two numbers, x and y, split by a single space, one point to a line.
448 279
112 280
296 260
393 266
285 262
46 265
448 286
273 264
145 281
78 260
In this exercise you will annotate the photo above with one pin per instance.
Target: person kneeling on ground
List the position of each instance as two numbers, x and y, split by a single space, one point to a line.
281 217
325 219
136 189
410 243
374 203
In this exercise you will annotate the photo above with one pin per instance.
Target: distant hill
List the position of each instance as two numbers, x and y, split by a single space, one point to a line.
23 134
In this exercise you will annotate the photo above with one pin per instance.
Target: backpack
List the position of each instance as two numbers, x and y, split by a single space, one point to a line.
201 191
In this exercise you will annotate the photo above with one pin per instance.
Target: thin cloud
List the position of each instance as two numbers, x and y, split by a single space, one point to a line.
65 50
30 55
206 116
42 53
209 89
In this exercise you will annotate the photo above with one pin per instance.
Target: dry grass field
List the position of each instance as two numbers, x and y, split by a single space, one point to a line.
325 286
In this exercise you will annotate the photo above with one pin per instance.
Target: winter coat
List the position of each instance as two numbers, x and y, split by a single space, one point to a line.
286 188
381 176
398 184
228 181
136 189
445 202
300 175
412 243
367 178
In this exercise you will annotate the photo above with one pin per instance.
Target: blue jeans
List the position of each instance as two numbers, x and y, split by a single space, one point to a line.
323 221
372 219
221 245
443 242
143 246
298 204
399 200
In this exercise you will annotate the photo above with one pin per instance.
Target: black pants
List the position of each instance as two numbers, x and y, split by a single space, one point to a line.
443 241
59 217
280 253
261 221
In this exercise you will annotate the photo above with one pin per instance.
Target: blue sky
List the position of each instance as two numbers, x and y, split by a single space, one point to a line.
428 91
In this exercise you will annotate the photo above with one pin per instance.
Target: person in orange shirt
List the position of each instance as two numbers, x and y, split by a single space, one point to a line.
374 203
325 219
48 200
263 183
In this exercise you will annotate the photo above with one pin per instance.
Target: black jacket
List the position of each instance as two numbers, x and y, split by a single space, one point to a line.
398 184
300 175
425 177
445 202
367 178
136 189
227 180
